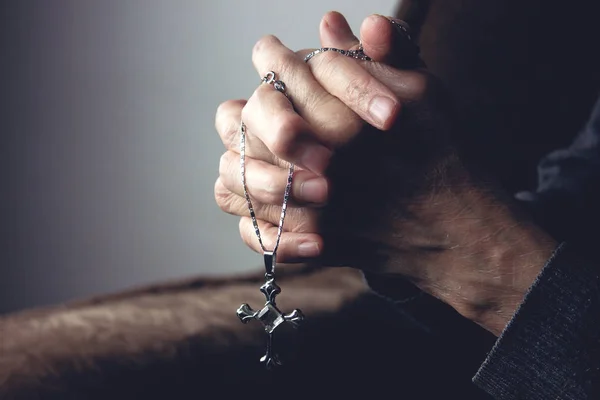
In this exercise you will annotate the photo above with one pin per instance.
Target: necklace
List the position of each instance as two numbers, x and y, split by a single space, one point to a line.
270 316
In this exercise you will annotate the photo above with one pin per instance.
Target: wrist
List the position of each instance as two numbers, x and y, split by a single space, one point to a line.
486 253
493 275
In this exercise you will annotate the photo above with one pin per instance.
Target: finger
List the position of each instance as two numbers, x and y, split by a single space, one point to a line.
270 117
388 43
227 123
381 40
266 182
293 247
408 85
335 32
378 40
305 92
297 220
346 79
329 118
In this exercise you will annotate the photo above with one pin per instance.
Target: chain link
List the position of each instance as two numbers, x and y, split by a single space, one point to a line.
270 78
286 194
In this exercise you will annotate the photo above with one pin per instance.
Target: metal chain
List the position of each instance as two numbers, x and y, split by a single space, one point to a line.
357 54
270 315
280 86
286 194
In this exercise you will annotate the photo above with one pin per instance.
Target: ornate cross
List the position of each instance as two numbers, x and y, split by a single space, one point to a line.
270 316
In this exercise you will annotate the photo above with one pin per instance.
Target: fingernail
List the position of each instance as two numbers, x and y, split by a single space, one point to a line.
314 191
315 158
381 109
308 249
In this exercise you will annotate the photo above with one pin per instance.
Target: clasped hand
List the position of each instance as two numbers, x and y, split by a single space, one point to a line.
379 185
332 97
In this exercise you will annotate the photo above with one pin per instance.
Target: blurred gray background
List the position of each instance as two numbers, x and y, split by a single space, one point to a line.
108 150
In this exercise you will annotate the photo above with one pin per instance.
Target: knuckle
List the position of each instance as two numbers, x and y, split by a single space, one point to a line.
357 90
226 123
272 192
285 131
281 60
264 43
244 229
225 163
223 197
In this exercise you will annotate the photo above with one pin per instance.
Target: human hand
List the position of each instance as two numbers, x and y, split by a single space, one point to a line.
329 110
398 202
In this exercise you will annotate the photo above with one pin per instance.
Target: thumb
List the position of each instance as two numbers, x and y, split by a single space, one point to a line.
389 43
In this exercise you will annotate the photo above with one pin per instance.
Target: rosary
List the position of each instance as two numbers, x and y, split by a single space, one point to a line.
270 316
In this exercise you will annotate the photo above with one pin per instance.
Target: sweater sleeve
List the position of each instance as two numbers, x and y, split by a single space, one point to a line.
551 347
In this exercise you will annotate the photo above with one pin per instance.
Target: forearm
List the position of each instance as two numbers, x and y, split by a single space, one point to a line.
484 255
504 263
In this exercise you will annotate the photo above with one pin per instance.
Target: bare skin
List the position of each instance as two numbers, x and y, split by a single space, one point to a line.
55 365
383 191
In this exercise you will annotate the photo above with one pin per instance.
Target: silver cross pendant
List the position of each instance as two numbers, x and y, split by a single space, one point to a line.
270 316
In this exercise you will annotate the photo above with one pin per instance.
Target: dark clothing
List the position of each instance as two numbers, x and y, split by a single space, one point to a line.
551 347
568 192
